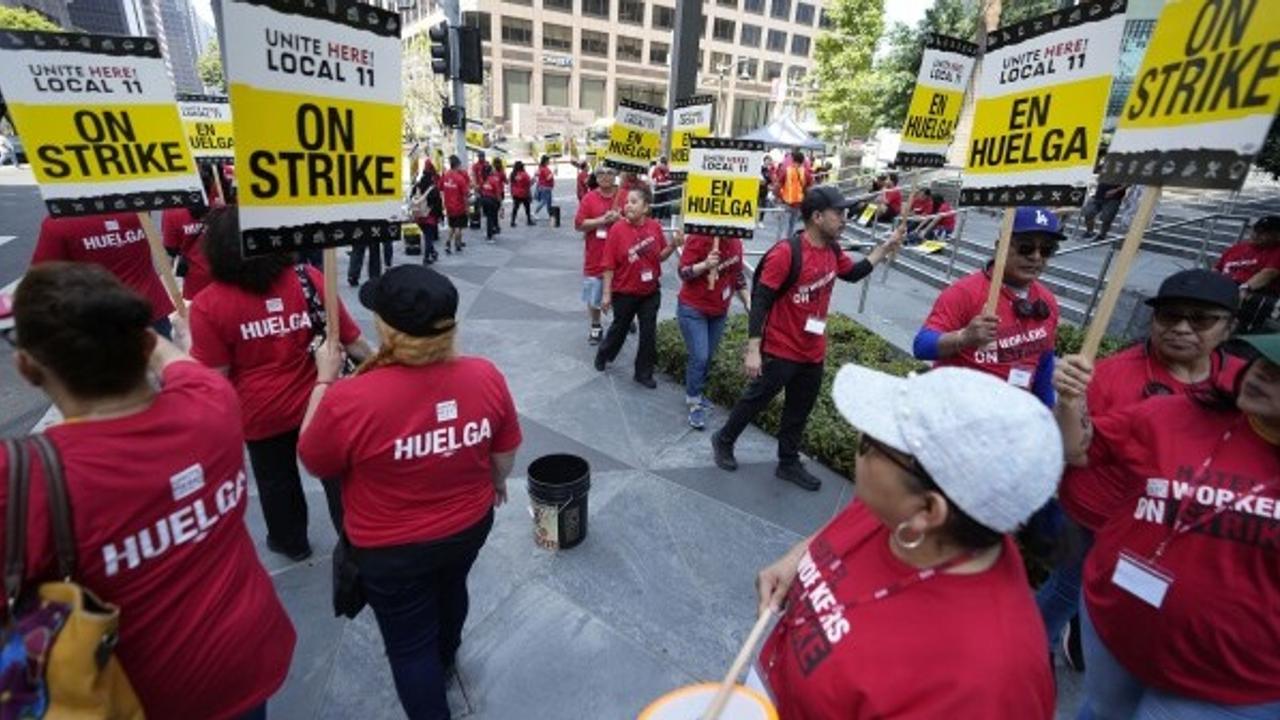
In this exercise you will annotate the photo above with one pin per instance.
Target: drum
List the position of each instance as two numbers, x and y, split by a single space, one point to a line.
691 701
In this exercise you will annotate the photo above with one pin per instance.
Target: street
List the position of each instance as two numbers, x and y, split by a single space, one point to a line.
21 211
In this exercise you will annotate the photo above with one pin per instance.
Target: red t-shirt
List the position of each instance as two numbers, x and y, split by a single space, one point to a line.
116 242
921 205
454 187
263 341
1245 259
413 446
661 175
521 185
633 254
492 186
583 176
893 198
1090 496
183 233
796 327
695 293
1015 354
835 654
592 206
158 502
546 178
946 222
477 169
1216 634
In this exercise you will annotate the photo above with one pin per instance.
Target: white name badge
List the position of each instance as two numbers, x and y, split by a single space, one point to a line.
1020 377
1141 579
602 233
816 326
724 294
646 276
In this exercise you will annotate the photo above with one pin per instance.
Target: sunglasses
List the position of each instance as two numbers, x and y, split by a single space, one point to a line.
866 444
1199 321
1026 248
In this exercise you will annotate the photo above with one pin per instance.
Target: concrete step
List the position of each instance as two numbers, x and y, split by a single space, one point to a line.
1065 285
909 264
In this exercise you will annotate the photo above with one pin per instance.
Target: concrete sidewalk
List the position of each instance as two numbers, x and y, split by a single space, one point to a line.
659 595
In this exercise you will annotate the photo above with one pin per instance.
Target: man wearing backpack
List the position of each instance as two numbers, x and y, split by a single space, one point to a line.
794 178
786 335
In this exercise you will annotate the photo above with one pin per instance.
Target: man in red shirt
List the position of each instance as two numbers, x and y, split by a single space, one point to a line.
660 180
890 199
454 187
117 243
597 211
786 335
1254 265
584 173
1016 343
546 185
476 177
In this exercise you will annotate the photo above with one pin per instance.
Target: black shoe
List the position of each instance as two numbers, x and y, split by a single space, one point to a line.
596 334
296 555
353 281
600 363
797 474
1071 650
647 382
723 453
635 328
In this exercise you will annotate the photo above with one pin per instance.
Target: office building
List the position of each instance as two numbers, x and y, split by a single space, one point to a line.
109 17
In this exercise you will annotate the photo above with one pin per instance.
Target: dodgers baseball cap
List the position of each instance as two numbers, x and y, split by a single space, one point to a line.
1203 286
1034 219
823 197
994 450
413 299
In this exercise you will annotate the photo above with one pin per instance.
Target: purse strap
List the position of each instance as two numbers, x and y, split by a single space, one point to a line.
55 481
15 519
315 306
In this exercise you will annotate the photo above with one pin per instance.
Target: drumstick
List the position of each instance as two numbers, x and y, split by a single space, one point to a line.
739 663
714 274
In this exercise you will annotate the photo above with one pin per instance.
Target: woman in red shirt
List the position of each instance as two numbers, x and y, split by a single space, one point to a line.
1181 586
490 200
500 169
913 603
546 185
710 273
584 175
423 441
633 254
521 193
256 324
156 485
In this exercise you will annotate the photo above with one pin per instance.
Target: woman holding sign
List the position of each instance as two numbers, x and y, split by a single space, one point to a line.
711 273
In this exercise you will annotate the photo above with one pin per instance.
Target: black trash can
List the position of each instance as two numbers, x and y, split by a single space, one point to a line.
558 487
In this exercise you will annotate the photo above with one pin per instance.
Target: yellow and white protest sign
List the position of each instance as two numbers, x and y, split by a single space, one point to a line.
553 145
206 119
1208 89
722 189
944 74
99 122
476 137
1041 99
692 118
315 95
635 137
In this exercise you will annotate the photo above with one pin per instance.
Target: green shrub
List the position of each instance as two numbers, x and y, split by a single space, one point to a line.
1070 338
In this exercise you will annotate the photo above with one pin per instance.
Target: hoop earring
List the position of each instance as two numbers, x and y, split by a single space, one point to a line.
897 537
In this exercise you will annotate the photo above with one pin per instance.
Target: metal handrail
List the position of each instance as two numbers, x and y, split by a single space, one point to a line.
1197 219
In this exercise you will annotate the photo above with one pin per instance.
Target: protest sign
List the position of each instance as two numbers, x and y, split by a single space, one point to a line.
692 118
553 145
98 118
477 139
1041 99
1207 91
722 187
315 93
935 103
206 120
635 137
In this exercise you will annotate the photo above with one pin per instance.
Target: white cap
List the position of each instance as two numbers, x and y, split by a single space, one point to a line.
993 449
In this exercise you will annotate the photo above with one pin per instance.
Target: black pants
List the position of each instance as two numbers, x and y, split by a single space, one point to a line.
802 382
625 309
516 204
284 506
489 206
418 593
375 260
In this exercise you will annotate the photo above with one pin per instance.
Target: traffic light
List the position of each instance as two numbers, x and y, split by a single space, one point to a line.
470 59
439 35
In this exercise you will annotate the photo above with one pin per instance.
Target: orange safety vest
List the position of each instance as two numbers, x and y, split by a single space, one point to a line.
793 186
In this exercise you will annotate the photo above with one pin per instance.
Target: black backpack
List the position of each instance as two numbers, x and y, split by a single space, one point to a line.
793 274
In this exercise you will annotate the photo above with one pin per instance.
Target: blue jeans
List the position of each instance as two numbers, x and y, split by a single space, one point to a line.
1112 693
701 337
1059 597
163 328
543 195
258 713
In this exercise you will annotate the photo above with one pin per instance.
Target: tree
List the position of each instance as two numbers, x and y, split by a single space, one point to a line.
23 19
1268 159
423 98
209 67
847 84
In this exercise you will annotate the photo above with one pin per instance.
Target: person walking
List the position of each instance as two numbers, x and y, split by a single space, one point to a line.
153 457
1105 203
546 186
183 230
710 274
454 189
663 189
521 193
597 211
794 179
423 441
786 333
584 177
499 169
632 262
257 324
428 211
490 201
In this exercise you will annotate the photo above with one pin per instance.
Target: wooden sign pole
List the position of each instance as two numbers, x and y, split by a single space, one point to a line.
1002 256
714 274
217 184
739 663
1115 284
331 330
164 266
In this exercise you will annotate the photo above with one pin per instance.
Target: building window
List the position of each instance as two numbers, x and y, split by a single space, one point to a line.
777 41
754 6
517 32
515 88
723 30
592 95
596 8
595 43
728 3
519 2
479 20
749 69
561 5
780 9
557 37
750 36
824 20
800 45
630 49
648 94
721 60
749 114
664 18
804 13
772 71
631 12
659 53
555 90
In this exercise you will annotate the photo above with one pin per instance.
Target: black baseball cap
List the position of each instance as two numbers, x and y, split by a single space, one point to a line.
1268 224
1203 286
823 197
412 299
